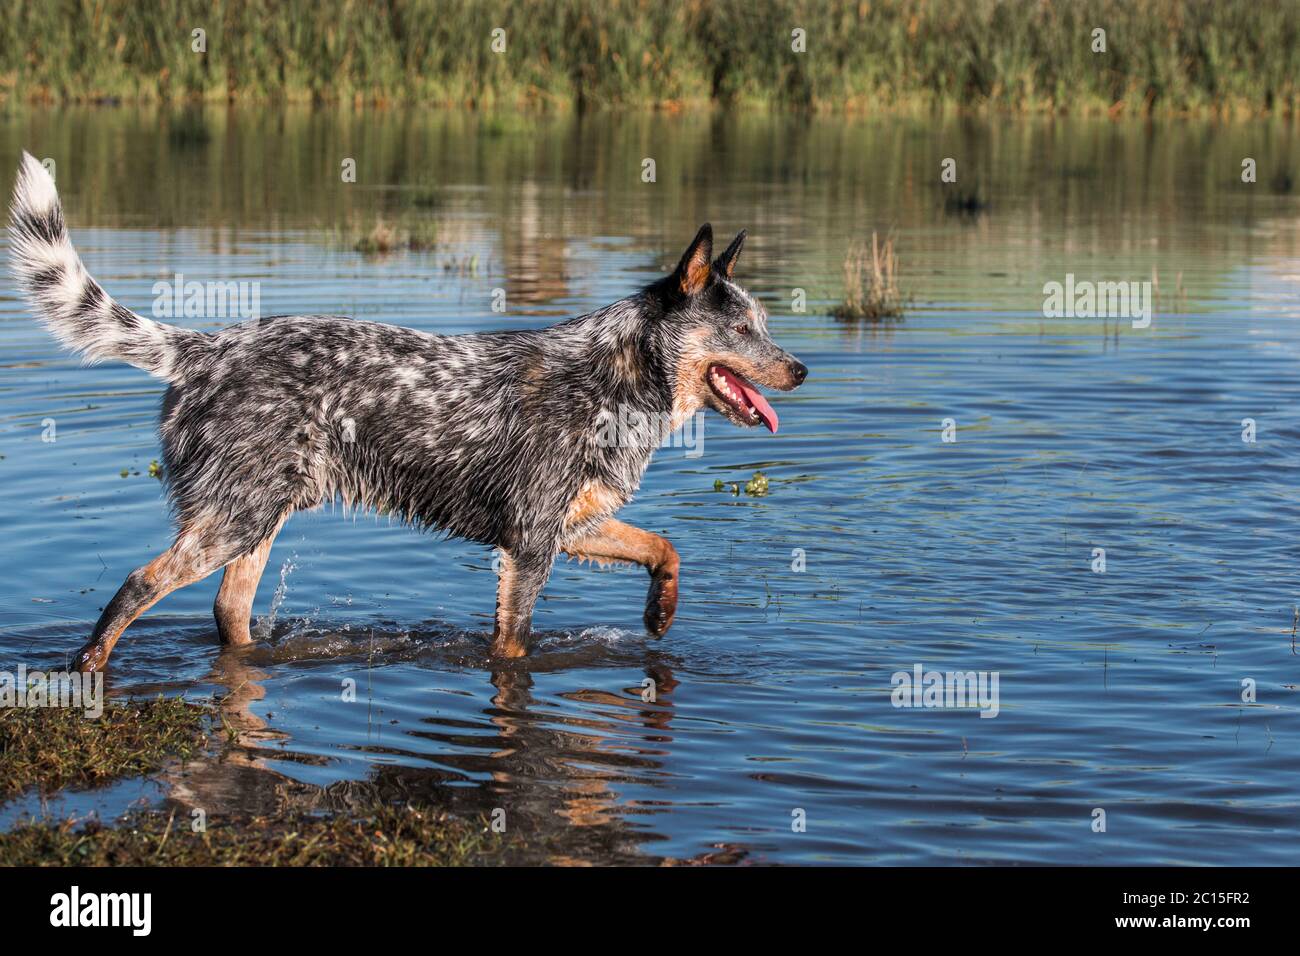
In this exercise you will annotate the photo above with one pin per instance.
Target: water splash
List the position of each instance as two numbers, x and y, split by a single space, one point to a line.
264 624
600 634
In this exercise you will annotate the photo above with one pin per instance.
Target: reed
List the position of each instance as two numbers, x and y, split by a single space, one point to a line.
385 237
871 282
1162 56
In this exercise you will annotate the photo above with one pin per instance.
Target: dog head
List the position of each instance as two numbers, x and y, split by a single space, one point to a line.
724 351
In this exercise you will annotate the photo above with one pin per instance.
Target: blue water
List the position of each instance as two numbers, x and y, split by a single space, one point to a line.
1120 691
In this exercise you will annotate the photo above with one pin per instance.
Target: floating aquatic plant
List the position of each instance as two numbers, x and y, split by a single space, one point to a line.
756 486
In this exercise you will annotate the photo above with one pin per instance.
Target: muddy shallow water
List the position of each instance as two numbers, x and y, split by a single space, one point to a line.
880 545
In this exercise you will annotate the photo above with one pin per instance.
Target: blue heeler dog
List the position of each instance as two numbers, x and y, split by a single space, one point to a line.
493 437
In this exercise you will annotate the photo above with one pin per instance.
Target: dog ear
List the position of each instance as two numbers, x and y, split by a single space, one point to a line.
692 273
726 263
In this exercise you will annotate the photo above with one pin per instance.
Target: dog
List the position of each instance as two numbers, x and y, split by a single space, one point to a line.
496 437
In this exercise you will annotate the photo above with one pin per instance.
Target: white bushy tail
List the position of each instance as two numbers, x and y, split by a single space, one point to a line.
73 305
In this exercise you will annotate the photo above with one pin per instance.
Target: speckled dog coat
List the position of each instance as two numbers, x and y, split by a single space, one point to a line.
501 438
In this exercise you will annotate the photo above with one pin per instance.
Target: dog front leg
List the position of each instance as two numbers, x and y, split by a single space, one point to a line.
197 552
520 581
616 541
234 606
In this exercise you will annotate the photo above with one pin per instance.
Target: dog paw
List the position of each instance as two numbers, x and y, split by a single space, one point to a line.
91 658
508 647
661 605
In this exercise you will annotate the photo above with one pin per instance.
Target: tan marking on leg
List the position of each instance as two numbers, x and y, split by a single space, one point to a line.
234 605
616 541
190 559
522 577
594 500
505 642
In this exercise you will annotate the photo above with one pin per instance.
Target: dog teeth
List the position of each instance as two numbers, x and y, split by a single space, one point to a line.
739 401
721 384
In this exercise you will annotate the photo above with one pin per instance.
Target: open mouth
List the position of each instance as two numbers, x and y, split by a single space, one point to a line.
741 397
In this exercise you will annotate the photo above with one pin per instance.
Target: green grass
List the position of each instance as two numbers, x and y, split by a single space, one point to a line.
1163 56
54 748
381 836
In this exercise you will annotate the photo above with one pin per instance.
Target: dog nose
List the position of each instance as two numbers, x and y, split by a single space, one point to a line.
799 371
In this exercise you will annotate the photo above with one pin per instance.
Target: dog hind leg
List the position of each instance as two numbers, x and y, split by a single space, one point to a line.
616 541
234 605
520 581
196 553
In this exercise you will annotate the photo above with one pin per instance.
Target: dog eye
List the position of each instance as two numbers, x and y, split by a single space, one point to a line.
740 329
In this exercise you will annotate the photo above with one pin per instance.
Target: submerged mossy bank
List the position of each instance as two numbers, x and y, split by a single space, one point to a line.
1159 56
51 749
384 836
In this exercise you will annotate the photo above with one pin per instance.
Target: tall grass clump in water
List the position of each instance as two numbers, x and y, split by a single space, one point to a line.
871 282
1162 56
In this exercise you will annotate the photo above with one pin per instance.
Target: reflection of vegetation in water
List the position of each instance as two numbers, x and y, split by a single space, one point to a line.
524 203
425 197
187 129
965 202
871 282
1161 55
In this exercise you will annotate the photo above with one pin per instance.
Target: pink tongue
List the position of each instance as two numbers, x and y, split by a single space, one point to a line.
765 411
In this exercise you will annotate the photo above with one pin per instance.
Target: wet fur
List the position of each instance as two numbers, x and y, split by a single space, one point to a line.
489 437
